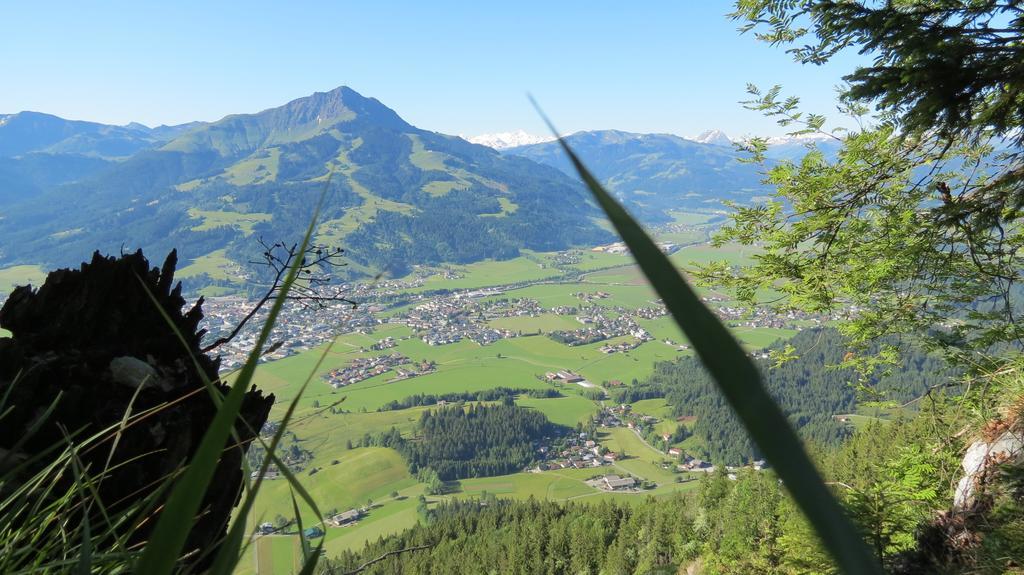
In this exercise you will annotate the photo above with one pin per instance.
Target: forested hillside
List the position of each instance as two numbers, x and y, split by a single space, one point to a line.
811 386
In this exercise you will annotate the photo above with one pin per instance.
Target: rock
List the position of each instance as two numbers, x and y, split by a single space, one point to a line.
133 372
76 345
980 455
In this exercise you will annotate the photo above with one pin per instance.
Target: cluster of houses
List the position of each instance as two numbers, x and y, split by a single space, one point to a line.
453 318
386 343
739 316
620 248
567 258
297 329
622 346
577 451
622 416
364 368
600 327
592 296
650 312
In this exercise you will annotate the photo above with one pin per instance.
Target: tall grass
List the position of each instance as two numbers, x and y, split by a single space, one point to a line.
53 520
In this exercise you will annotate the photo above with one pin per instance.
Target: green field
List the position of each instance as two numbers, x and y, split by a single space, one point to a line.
642 459
568 410
547 322
216 264
15 276
489 273
215 219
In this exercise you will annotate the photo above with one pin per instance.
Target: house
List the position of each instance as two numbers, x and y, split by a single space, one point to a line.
265 528
271 473
611 456
614 482
568 376
675 451
614 383
345 517
313 533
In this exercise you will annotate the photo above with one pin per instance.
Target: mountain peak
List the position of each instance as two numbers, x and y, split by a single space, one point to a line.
297 120
505 140
714 137
338 105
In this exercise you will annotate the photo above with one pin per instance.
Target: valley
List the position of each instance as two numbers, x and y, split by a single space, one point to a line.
480 327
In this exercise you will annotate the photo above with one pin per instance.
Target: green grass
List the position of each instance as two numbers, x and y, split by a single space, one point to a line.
257 169
14 276
546 322
568 410
489 273
760 337
642 459
388 518
210 219
658 408
556 485
216 264
362 473
690 218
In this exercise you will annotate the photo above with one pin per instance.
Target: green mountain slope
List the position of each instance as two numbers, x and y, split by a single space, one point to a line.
398 195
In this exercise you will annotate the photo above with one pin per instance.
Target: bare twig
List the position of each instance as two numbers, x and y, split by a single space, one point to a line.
362 567
311 289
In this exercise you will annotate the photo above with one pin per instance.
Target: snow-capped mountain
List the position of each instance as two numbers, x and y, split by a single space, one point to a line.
715 137
504 140
799 139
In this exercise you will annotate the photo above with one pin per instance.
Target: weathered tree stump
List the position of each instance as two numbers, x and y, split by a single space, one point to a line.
86 340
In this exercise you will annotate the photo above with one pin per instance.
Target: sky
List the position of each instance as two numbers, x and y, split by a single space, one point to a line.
453 67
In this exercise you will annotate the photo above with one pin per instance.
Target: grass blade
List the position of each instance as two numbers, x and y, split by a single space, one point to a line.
168 538
740 383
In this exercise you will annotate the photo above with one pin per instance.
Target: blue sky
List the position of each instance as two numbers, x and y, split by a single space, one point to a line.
453 67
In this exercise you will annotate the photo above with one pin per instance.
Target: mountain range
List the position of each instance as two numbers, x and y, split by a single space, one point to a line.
396 195
654 173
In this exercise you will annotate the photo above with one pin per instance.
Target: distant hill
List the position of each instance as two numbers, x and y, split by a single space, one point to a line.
40 151
656 172
398 195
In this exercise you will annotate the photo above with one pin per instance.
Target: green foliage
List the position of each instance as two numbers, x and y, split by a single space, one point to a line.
476 441
876 236
490 535
913 222
944 65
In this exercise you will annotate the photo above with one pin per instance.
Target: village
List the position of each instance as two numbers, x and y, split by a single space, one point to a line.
361 369
446 317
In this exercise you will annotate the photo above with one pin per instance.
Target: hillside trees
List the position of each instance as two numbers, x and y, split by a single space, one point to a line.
473 441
